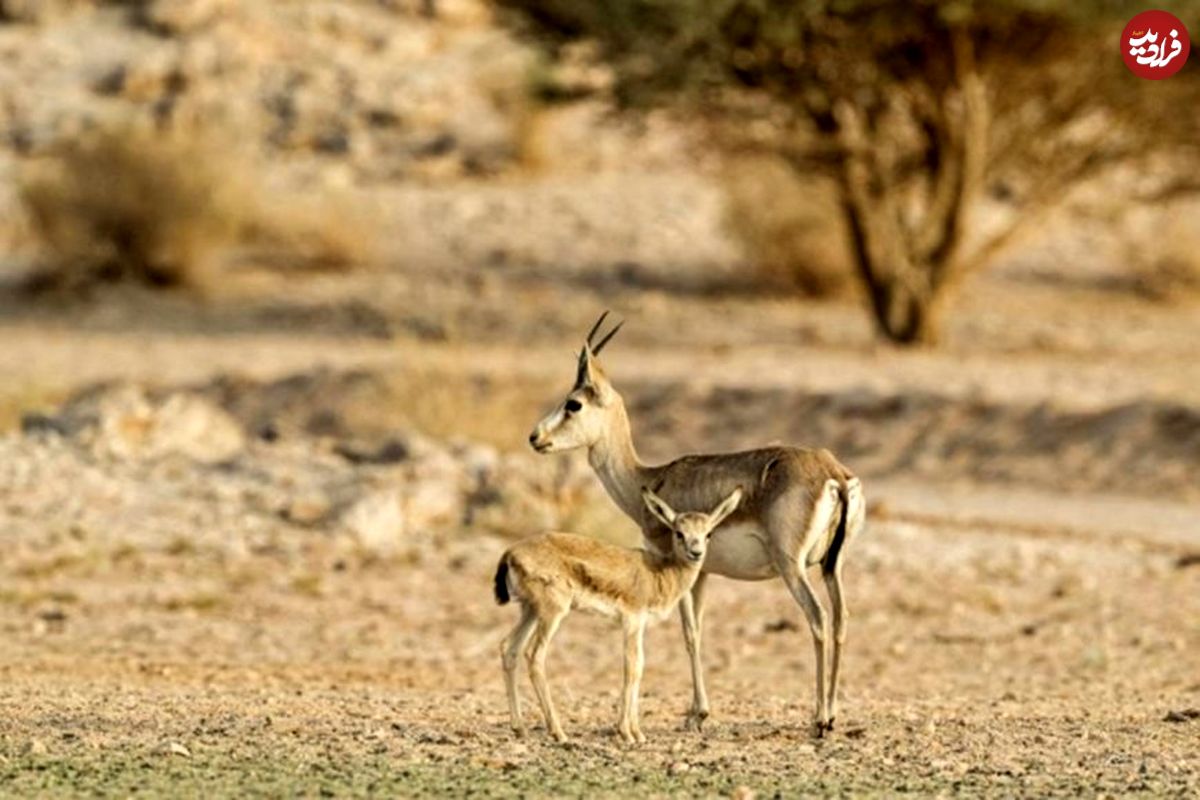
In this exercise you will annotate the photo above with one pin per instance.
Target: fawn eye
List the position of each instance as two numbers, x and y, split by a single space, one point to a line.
679 536
573 405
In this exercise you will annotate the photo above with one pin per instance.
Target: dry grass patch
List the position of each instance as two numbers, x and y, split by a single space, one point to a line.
30 597
789 227
52 565
308 585
199 602
174 207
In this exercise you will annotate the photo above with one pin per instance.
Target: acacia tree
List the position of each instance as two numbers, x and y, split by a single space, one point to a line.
916 109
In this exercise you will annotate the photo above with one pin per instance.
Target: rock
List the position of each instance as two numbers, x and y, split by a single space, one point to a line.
436 491
141 80
182 16
392 450
1186 715
175 749
36 747
743 792
53 615
124 422
377 523
308 510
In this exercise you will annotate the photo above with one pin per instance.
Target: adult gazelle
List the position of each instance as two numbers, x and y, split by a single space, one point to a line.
800 509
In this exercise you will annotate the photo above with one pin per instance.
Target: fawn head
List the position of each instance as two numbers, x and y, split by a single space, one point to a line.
690 530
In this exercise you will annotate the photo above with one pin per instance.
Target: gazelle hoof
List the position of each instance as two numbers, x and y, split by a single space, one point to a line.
694 721
820 728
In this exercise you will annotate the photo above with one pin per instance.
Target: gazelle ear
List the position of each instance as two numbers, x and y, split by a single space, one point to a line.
583 368
727 507
658 507
590 374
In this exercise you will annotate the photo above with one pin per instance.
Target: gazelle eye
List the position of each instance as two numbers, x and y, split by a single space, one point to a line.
573 405
679 536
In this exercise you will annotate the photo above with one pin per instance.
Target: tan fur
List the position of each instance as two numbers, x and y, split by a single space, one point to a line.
796 501
551 574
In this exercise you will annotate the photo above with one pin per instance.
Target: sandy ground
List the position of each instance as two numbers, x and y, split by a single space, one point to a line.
982 659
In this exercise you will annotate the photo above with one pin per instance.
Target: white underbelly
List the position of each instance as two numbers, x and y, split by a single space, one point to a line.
740 552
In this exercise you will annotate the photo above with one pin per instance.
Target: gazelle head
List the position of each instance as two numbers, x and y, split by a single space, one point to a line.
690 529
583 417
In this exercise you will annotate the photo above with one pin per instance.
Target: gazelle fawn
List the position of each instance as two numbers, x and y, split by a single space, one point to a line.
555 572
801 509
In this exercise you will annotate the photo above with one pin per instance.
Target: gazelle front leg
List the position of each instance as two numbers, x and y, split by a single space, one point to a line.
628 725
691 614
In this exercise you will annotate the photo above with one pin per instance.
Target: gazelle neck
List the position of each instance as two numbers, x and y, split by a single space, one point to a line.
616 462
671 577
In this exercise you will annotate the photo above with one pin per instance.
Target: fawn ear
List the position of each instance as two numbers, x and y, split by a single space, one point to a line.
658 507
727 507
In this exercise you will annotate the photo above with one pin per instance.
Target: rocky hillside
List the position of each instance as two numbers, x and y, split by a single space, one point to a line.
379 88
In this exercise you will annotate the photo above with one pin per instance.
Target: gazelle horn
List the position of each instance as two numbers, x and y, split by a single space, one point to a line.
595 328
596 350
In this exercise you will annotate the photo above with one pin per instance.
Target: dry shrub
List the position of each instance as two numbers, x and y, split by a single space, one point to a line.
1167 258
789 226
330 232
170 208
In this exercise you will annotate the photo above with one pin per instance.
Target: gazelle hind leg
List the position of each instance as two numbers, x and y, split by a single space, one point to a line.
798 583
510 653
833 584
856 512
796 524
691 613
546 627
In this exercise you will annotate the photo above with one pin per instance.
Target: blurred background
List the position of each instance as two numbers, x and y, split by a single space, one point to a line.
285 285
